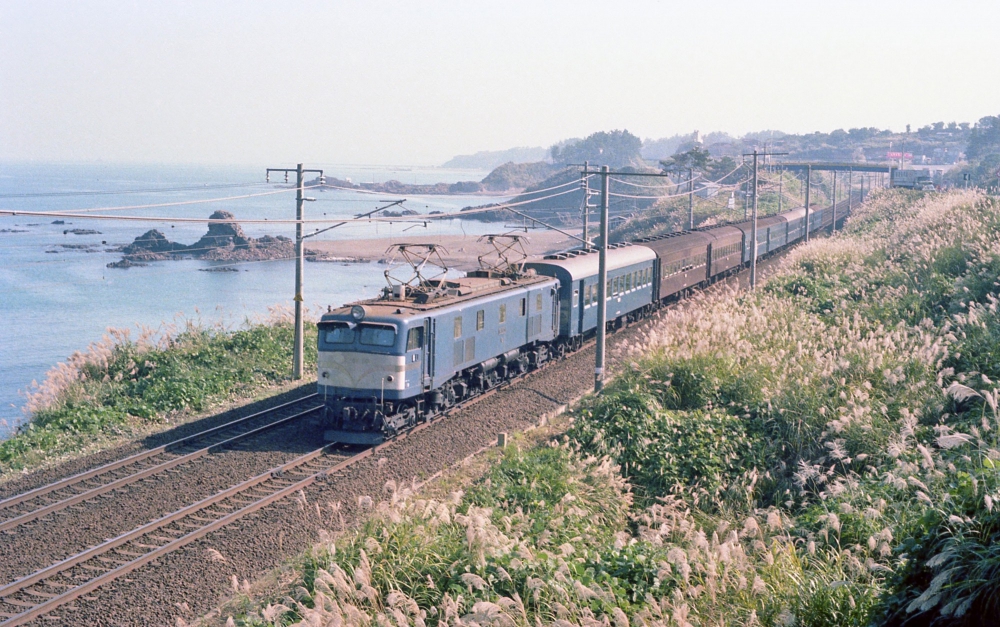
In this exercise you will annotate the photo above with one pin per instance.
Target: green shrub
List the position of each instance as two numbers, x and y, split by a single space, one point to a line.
122 382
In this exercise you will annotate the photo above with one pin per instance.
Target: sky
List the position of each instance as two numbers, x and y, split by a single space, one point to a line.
417 82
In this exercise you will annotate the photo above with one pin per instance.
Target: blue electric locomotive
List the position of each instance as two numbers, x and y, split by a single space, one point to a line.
385 364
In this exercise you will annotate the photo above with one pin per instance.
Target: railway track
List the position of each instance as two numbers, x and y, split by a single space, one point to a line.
49 499
38 594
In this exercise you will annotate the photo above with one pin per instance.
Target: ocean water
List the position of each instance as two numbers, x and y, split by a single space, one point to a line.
57 295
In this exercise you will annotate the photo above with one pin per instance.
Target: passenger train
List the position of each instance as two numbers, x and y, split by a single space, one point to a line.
387 363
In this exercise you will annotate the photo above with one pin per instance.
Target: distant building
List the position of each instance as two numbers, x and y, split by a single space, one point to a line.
706 189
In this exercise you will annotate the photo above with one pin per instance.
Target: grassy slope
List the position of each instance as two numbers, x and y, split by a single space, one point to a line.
823 452
120 384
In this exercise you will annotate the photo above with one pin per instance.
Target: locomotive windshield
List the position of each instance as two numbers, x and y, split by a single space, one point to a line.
339 333
378 334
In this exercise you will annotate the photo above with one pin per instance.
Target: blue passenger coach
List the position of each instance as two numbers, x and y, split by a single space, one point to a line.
629 287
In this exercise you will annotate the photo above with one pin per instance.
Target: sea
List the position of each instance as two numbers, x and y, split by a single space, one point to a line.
58 296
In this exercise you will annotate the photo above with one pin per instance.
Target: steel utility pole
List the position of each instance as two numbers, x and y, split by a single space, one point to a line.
809 176
833 225
602 285
690 199
297 358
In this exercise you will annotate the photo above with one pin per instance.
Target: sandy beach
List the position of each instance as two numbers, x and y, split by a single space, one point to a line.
458 251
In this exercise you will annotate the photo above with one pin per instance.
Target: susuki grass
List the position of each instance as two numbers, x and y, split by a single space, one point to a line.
822 452
120 383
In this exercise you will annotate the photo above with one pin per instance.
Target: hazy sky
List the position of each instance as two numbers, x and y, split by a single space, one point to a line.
419 81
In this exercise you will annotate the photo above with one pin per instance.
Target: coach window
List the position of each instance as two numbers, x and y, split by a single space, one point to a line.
480 319
607 289
593 295
503 313
524 306
415 338
576 297
458 327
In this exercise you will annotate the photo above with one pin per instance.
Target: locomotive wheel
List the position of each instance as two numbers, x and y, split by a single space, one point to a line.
449 396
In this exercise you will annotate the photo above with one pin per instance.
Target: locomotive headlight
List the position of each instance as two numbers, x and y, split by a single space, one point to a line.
358 312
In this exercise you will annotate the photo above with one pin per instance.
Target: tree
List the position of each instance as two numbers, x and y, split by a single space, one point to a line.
695 159
839 137
984 138
615 149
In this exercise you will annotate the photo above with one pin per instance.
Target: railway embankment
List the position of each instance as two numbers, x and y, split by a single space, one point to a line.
822 451
125 388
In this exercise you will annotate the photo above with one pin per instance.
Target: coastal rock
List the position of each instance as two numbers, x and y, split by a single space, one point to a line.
151 246
81 232
125 263
224 241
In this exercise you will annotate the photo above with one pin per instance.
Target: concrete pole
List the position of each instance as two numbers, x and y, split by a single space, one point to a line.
850 190
690 199
586 199
746 199
780 181
602 285
297 363
833 224
809 175
753 228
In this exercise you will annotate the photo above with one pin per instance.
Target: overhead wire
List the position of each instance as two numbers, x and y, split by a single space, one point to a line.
80 214
125 192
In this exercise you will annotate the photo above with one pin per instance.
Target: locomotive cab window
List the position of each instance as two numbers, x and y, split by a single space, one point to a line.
415 338
480 319
378 334
524 306
339 333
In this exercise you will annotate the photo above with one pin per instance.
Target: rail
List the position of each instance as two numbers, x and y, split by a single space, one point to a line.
70 487
60 583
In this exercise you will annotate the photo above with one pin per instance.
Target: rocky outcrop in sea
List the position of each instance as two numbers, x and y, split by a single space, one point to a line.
224 241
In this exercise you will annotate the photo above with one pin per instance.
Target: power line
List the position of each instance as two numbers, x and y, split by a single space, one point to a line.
79 213
425 217
190 188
